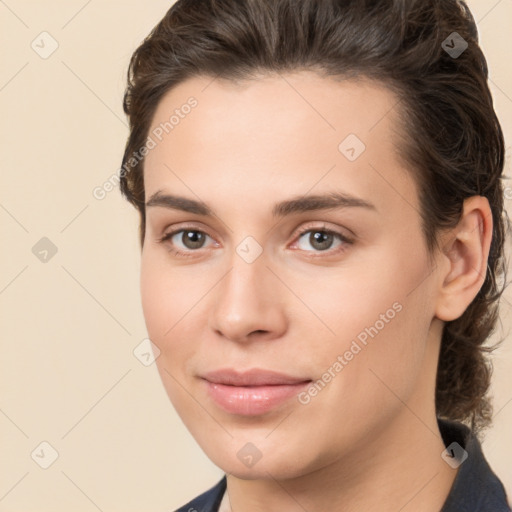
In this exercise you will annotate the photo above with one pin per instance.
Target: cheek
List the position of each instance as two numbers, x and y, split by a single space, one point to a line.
166 293
154 299
380 315
163 304
173 304
378 364
370 302
163 308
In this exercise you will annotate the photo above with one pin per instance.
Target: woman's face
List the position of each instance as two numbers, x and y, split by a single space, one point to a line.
267 278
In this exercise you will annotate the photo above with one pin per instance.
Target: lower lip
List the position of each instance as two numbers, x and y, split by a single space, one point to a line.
254 400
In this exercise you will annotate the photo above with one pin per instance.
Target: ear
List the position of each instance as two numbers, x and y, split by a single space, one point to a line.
464 259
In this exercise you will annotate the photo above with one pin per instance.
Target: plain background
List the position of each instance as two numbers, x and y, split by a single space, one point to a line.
69 326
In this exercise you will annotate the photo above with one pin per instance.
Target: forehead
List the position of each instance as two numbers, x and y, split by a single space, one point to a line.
296 130
280 104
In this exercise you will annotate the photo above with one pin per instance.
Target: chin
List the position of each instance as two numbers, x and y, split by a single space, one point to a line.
260 460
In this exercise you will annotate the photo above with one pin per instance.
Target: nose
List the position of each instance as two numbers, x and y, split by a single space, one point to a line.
249 302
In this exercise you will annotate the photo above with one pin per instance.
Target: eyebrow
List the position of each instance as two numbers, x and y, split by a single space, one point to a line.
294 205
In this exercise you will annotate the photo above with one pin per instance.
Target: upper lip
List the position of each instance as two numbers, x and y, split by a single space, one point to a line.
252 377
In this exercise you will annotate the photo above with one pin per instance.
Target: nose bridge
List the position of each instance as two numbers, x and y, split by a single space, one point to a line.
248 297
245 286
248 277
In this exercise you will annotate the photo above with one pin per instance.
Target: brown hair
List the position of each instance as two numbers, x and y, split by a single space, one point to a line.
454 143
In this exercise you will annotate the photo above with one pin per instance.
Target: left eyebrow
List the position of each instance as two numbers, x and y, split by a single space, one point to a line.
298 204
332 200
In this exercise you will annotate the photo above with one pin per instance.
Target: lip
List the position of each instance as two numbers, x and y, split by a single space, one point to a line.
252 377
252 392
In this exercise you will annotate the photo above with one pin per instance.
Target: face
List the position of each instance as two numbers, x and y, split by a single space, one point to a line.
338 296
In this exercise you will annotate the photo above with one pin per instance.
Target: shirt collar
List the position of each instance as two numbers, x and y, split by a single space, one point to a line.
476 488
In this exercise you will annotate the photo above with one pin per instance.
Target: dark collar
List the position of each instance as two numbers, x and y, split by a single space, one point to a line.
475 489
209 501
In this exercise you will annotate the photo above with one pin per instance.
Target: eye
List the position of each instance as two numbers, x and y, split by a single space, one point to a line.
190 239
322 239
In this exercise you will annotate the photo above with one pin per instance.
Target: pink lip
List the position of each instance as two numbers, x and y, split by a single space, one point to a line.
253 392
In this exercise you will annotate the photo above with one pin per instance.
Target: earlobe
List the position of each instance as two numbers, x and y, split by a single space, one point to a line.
465 254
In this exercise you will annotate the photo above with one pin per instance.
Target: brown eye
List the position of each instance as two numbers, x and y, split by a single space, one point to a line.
192 239
185 241
321 240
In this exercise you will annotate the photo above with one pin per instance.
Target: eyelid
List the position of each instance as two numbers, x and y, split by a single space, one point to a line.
324 227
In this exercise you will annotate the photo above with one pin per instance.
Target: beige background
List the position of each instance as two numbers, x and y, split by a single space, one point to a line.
69 326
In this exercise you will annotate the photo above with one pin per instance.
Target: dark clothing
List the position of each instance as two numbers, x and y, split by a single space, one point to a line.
475 489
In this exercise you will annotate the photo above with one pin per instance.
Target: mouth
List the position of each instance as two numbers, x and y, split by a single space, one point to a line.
253 392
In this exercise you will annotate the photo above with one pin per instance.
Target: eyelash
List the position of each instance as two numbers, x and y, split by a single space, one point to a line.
322 229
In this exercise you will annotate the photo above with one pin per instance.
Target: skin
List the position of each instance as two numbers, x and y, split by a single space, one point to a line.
369 440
